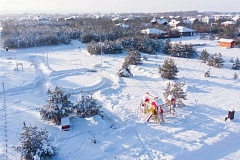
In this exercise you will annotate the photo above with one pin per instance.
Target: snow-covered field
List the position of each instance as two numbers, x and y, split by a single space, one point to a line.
196 131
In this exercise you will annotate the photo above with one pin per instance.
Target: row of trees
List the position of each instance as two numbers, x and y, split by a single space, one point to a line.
60 106
216 60
179 49
141 43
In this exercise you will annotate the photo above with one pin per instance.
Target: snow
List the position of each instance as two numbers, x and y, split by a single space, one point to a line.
183 29
196 130
152 31
225 40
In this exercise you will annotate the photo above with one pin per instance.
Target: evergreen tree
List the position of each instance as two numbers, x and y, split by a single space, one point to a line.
58 105
235 76
175 50
168 69
215 60
204 55
34 143
133 58
207 73
176 90
236 64
87 106
167 91
180 50
167 47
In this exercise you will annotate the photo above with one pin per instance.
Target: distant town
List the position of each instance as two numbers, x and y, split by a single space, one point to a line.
31 30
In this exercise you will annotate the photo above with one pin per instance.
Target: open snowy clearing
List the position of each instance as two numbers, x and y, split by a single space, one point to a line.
196 131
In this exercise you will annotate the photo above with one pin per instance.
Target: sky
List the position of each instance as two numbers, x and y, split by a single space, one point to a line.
116 6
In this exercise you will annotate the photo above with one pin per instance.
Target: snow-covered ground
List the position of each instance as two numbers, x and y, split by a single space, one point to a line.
196 131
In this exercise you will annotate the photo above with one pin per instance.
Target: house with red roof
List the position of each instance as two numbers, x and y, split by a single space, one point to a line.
229 43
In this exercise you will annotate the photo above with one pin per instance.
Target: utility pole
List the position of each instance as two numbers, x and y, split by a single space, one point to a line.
101 49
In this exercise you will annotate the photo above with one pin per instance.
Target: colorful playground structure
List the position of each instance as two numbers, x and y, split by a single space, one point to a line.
153 107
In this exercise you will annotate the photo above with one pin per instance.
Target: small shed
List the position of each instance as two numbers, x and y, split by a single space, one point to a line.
65 123
229 43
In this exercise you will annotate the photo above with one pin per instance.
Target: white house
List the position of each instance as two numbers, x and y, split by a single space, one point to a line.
208 19
185 31
228 23
152 31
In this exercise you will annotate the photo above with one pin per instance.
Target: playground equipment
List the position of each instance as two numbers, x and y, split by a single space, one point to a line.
19 64
172 104
153 107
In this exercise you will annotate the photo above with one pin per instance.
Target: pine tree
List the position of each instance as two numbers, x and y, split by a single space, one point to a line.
167 91
235 76
176 50
58 105
176 90
133 58
236 64
34 143
215 60
204 55
168 69
87 106
167 47
178 93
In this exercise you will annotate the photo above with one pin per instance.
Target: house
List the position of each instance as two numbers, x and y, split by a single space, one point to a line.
236 18
159 21
128 19
152 31
226 23
65 123
229 43
185 31
162 22
122 25
208 19
175 23
154 21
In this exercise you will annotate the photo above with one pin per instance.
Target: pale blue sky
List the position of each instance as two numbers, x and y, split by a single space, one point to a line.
117 6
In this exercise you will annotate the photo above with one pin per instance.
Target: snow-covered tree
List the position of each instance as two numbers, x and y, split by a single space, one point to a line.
125 72
167 47
167 91
34 143
215 60
235 76
133 58
58 106
169 69
87 106
204 55
236 64
182 50
177 91
207 73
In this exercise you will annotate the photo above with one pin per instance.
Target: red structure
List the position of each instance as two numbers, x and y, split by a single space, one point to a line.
229 43
65 123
